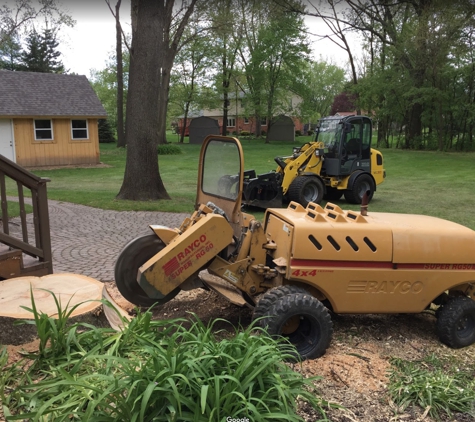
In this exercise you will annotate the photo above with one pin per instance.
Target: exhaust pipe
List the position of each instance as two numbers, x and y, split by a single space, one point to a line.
364 203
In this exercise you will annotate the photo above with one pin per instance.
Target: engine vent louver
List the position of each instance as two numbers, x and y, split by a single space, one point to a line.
334 243
352 243
315 242
370 244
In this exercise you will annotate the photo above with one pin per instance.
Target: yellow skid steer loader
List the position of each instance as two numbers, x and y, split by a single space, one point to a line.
339 162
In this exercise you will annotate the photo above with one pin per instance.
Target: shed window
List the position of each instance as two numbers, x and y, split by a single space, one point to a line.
79 129
43 130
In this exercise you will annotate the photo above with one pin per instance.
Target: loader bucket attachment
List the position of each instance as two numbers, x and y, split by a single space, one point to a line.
262 190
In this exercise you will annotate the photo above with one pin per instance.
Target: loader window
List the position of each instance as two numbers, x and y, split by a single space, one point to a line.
330 138
221 169
366 139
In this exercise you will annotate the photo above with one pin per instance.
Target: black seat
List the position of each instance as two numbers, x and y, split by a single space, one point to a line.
353 146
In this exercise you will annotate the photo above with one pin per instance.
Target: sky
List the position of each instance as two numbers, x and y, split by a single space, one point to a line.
92 40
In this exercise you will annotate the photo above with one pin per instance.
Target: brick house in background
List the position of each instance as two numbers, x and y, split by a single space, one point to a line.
237 121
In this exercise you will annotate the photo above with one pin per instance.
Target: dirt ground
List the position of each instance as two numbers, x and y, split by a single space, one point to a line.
354 369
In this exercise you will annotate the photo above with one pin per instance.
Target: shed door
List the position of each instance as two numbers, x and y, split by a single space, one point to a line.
6 139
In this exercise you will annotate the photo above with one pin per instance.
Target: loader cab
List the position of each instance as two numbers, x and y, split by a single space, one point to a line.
347 144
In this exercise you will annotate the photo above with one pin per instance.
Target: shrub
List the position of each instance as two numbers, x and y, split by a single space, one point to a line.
159 370
169 149
440 387
106 134
245 133
298 133
263 133
310 132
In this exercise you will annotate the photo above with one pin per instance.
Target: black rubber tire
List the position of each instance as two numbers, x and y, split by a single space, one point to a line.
314 329
362 184
133 256
456 322
268 299
333 194
305 189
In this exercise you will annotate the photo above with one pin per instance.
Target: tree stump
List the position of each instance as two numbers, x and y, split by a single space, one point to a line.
69 290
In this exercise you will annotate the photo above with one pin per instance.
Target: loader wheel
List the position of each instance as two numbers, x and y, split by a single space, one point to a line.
333 194
456 322
305 189
268 299
304 321
362 184
133 256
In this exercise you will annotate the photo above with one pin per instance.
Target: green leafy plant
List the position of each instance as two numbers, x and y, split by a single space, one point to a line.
169 149
56 334
430 385
176 370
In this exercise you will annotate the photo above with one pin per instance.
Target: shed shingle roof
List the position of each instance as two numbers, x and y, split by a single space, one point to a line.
32 94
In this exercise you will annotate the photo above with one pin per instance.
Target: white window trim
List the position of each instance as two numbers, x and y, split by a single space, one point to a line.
73 129
231 120
51 129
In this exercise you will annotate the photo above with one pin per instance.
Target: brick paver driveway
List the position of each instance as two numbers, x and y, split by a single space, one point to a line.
88 240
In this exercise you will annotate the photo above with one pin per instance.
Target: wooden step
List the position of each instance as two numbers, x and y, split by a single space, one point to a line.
13 263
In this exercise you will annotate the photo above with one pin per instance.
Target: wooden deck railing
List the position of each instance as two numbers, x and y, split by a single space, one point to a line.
37 244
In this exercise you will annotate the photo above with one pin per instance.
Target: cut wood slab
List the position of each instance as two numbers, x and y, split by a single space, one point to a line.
114 313
68 288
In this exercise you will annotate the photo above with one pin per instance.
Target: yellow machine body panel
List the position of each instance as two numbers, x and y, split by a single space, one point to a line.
377 167
185 255
426 239
379 263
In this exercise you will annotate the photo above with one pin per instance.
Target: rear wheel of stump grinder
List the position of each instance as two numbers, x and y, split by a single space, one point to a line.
132 257
456 322
304 321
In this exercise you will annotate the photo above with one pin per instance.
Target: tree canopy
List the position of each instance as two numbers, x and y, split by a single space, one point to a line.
415 76
41 53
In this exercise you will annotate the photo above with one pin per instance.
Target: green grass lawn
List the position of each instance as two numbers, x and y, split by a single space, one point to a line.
418 182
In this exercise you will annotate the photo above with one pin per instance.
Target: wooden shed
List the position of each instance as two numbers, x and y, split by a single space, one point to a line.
48 119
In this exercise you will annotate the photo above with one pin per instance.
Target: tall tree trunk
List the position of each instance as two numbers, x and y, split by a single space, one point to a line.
151 58
120 79
414 126
224 129
225 85
185 122
142 180
163 97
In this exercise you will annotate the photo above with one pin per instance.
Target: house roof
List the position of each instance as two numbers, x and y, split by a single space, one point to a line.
32 94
